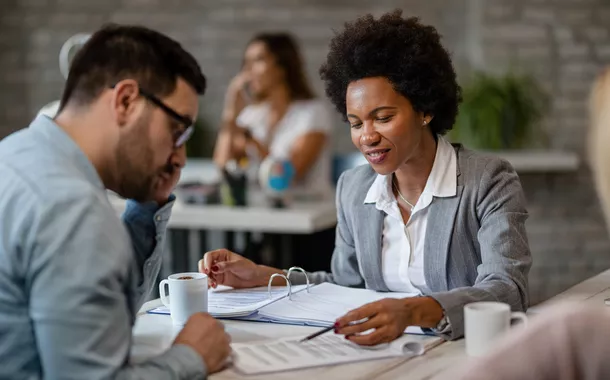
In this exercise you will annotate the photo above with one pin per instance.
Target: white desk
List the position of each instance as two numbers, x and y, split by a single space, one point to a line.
153 334
300 218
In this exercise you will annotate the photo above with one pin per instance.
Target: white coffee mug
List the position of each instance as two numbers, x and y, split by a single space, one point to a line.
484 323
188 294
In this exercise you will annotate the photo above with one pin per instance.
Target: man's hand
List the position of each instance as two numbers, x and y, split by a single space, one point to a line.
224 267
208 338
389 318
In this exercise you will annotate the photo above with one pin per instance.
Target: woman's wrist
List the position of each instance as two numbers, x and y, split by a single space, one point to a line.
426 311
261 150
264 273
229 118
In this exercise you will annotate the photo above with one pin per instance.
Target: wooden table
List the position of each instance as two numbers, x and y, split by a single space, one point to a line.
153 334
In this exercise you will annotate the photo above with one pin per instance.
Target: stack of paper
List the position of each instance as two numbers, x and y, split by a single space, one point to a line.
320 306
234 303
324 304
289 354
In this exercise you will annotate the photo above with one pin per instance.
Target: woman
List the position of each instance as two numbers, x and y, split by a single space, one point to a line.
569 341
425 217
270 109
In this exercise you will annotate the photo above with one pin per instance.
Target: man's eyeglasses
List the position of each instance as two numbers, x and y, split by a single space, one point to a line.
180 137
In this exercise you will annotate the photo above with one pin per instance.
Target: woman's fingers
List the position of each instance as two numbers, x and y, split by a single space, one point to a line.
364 312
380 335
214 256
356 328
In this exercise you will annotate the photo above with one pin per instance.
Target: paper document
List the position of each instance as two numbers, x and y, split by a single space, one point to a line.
227 302
324 304
288 354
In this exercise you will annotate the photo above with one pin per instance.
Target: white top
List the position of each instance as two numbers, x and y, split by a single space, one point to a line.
402 255
301 117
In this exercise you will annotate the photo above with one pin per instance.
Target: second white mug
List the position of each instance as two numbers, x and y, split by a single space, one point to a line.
188 294
485 323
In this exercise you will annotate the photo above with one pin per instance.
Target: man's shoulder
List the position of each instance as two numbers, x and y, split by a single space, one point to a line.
47 193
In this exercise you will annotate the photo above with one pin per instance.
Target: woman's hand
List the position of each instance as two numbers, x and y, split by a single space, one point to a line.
224 267
389 318
235 99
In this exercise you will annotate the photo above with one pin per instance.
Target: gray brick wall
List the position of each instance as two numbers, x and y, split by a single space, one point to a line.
563 42
216 31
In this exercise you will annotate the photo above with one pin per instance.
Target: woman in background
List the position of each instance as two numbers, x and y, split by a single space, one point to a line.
569 342
270 109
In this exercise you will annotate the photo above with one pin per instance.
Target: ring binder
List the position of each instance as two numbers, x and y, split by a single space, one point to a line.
287 284
300 270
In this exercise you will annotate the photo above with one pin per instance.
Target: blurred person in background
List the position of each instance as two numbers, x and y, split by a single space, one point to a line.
437 221
72 276
570 341
270 109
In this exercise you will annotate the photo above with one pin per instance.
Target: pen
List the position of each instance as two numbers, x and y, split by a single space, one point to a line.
317 333
327 329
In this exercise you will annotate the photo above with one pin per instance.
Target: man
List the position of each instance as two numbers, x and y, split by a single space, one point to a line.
71 278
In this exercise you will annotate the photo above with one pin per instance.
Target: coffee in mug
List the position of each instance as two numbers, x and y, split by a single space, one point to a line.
188 294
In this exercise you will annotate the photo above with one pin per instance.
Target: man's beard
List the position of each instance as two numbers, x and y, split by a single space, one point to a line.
137 179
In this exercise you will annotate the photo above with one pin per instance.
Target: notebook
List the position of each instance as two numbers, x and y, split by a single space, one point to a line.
290 354
225 302
322 305
319 306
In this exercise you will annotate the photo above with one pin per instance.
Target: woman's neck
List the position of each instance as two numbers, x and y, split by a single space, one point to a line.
411 176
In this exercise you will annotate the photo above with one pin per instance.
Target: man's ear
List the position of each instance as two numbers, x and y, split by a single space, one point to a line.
124 100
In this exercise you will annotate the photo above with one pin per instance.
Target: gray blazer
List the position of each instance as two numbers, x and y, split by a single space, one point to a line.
476 247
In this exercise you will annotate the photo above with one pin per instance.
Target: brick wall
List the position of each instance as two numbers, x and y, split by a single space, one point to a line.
215 31
563 42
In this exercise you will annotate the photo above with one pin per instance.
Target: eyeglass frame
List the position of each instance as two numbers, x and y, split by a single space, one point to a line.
184 120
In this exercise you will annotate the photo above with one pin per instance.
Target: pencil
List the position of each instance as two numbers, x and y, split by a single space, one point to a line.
317 333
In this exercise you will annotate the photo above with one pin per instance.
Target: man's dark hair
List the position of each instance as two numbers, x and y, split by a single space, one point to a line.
407 53
118 52
284 48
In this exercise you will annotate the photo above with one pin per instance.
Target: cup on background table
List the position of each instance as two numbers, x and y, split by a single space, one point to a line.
188 294
485 323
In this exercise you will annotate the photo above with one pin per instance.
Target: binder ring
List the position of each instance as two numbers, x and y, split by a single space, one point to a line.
287 284
299 269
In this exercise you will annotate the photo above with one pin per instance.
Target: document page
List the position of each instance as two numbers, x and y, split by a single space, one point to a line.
289 354
227 302
325 303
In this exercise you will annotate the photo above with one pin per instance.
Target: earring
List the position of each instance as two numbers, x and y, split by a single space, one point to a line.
425 122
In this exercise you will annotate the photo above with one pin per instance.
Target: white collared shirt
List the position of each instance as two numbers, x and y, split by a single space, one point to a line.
402 255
